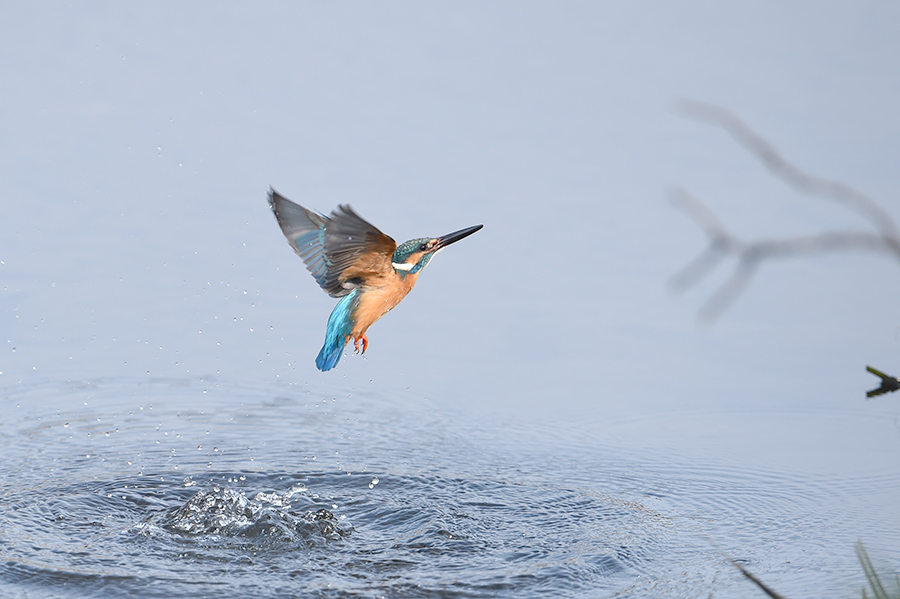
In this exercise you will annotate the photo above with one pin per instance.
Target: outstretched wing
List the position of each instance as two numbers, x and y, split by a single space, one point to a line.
305 232
355 250
341 252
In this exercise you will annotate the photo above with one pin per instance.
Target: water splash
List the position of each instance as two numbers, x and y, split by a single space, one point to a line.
227 512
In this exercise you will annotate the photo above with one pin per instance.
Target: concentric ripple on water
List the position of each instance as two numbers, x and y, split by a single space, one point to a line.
318 534
161 489
125 497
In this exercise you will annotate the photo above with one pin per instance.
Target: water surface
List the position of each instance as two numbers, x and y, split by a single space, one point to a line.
185 488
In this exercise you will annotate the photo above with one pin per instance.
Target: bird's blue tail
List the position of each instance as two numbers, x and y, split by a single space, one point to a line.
340 325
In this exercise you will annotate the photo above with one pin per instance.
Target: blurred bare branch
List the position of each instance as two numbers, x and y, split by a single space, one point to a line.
751 254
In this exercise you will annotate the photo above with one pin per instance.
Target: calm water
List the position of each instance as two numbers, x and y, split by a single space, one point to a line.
182 488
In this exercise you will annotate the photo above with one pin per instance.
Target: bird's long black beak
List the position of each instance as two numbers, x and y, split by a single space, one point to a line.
446 240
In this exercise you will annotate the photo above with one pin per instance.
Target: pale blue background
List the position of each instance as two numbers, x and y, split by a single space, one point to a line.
138 141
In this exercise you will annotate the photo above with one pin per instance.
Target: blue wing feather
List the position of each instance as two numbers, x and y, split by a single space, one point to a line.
305 232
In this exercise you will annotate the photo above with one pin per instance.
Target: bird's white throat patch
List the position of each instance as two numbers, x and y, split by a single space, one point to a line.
406 267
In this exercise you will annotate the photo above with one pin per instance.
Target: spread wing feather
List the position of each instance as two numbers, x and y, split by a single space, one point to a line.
340 252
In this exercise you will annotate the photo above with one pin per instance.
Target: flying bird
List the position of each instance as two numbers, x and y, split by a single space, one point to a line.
354 261
888 383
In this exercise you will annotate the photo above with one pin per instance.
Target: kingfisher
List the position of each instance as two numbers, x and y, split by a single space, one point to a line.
354 261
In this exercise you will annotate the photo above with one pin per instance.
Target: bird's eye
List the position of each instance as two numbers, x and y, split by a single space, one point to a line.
423 247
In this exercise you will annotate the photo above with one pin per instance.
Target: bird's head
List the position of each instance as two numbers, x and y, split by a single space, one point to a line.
413 255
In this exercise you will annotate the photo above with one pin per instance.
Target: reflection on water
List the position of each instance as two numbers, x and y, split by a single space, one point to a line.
165 488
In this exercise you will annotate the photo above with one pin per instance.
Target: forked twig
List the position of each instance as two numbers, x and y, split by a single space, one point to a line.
750 255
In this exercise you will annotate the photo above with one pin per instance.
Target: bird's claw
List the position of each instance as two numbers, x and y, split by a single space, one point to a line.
365 344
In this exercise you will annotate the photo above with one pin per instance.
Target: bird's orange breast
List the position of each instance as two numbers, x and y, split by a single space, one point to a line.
378 297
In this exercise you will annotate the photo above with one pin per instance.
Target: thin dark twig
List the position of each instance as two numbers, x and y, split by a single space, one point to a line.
757 581
750 255
780 167
708 221
725 295
720 242
697 268
750 576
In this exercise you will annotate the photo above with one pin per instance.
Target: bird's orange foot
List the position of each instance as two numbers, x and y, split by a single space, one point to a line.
365 343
